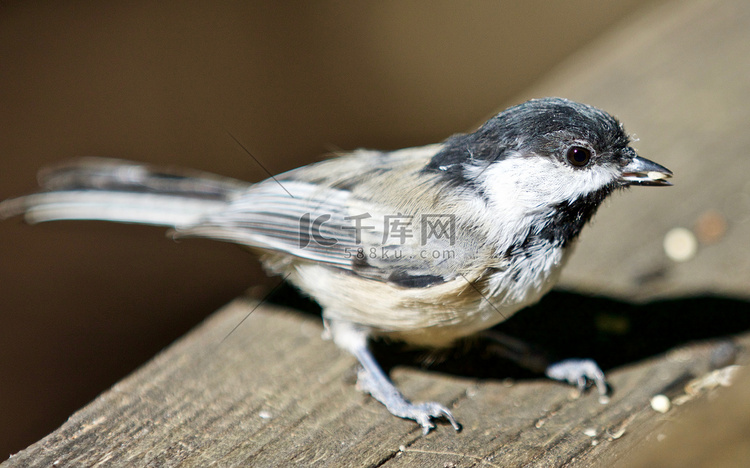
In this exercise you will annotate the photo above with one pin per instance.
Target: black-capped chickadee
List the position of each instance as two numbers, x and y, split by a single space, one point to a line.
425 245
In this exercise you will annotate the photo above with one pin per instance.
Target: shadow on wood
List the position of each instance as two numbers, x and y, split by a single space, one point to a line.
272 393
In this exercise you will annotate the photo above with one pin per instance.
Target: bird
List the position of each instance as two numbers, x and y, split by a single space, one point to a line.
424 245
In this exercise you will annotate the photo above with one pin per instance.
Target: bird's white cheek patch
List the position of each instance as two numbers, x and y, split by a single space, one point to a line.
531 183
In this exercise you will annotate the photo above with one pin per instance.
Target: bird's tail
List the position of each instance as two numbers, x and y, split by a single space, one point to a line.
122 191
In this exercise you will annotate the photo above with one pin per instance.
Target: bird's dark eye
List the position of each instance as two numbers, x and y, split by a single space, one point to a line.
578 156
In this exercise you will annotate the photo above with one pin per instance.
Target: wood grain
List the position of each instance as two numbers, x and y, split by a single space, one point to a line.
272 393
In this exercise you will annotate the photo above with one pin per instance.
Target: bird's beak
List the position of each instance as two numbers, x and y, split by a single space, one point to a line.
641 171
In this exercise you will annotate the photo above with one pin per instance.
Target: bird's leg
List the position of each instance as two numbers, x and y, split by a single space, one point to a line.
373 380
578 372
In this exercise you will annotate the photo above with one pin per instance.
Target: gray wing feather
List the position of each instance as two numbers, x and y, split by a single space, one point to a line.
331 213
333 227
283 218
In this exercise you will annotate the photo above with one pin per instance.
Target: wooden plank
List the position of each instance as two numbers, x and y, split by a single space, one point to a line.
272 393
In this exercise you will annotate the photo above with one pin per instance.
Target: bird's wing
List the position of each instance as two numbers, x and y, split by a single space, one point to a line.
333 226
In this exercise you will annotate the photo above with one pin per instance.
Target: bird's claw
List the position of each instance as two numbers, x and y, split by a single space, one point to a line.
578 372
424 413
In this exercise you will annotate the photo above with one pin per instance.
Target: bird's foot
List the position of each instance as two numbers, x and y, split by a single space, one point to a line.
423 413
579 372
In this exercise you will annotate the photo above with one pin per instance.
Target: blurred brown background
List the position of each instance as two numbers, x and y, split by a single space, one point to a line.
82 304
